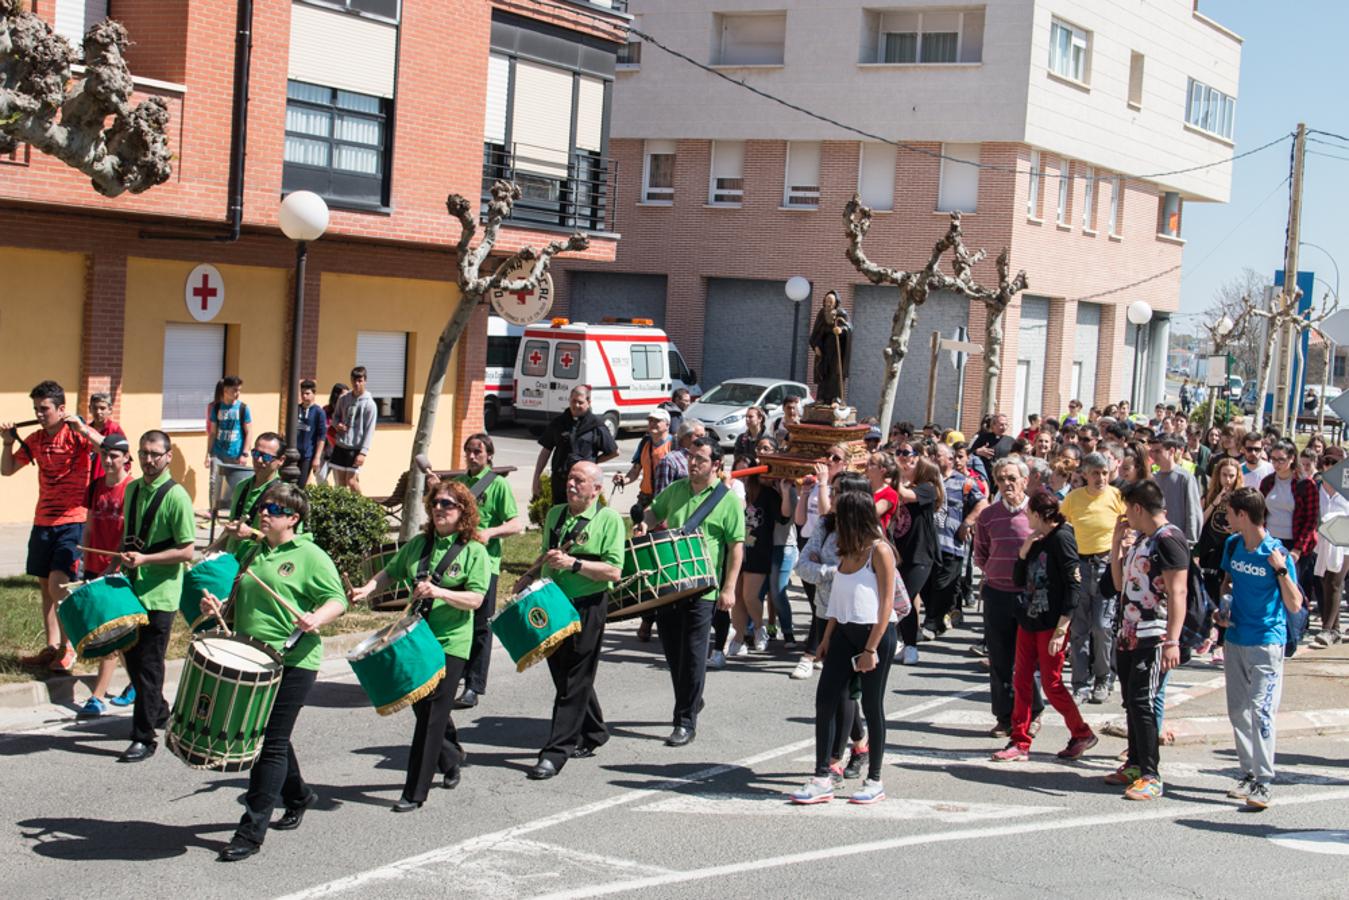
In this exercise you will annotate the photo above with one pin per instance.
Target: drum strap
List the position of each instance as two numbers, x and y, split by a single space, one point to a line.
481 487
252 510
557 539
704 509
424 566
139 530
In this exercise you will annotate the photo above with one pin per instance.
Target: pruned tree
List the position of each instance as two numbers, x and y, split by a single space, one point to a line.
474 287
1240 315
1233 298
914 288
130 154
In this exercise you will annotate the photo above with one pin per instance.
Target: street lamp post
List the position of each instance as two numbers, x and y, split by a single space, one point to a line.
798 289
304 218
1223 327
1140 314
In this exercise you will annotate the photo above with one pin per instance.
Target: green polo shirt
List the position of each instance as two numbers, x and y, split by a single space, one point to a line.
724 526
470 571
496 506
159 586
250 494
303 574
601 540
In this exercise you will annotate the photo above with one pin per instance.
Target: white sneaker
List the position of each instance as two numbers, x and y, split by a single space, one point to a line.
819 664
803 669
760 640
717 660
736 648
908 656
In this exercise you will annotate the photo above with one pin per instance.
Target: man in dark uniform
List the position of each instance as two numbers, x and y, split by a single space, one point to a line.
584 571
577 435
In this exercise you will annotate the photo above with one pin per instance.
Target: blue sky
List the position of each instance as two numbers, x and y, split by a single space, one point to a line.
1293 69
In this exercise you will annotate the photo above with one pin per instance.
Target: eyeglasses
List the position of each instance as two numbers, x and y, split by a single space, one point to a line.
903 453
152 454
264 457
1278 459
276 509
446 503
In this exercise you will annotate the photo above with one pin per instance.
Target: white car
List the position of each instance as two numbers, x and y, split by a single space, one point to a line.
722 409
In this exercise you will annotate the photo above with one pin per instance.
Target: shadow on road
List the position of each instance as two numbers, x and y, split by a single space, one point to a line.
83 839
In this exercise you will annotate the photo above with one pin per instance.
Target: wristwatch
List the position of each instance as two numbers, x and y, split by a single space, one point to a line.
575 566
1279 573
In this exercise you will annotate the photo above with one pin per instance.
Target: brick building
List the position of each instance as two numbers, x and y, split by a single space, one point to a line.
1067 109
379 106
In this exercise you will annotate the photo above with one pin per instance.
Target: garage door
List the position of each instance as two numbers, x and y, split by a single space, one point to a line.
595 295
875 311
1085 352
1030 356
748 331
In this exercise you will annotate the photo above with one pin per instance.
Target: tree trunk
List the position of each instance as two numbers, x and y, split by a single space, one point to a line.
426 419
901 329
1266 363
993 360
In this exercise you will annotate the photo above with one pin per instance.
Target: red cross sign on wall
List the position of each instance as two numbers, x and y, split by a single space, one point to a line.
204 292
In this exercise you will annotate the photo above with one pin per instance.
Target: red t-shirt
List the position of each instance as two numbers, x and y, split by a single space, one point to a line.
63 465
887 493
105 524
109 427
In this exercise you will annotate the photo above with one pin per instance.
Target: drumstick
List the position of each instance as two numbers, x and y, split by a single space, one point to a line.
226 535
97 550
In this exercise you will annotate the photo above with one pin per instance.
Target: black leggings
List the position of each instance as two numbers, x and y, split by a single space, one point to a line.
914 577
848 720
848 640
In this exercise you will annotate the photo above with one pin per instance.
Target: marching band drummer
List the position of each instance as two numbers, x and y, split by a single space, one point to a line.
584 572
452 571
268 455
684 625
300 572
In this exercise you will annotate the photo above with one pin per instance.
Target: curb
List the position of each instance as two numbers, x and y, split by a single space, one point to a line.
60 691
1298 723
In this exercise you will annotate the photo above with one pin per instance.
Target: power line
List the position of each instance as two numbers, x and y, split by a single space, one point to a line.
1327 155
1250 215
1338 137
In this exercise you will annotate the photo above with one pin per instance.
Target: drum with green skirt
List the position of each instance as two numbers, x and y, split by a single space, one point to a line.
225 697
214 574
102 616
399 664
535 623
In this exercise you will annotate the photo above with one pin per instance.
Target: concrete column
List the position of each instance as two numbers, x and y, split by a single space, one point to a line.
1158 338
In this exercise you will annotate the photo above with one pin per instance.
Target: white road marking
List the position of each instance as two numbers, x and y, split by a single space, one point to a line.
1333 843
906 808
407 867
1164 810
517 868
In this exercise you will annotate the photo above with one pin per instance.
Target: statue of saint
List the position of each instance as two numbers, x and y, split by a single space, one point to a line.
831 340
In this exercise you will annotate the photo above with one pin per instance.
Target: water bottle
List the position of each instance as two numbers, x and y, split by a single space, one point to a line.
1225 607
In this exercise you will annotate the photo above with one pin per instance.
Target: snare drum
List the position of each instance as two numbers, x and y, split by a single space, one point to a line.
399 664
102 616
216 574
659 568
535 623
396 596
225 697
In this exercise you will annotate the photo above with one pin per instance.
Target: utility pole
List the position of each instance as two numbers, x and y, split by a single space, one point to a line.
1284 411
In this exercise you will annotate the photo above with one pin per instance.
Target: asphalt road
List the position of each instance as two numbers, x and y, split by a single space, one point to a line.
707 820
516 446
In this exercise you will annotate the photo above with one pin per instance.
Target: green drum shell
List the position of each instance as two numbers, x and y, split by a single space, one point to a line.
102 616
659 568
228 738
535 623
401 671
216 575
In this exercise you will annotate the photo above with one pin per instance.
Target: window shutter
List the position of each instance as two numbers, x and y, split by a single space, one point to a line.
541 121
384 355
590 115
498 90
728 171
75 17
876 178
803 174
194 360
750 40
341 50
959 180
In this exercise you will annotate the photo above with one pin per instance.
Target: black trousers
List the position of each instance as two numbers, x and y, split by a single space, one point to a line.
276 774
915 577
1000 638
942 591
578 720
684 626
306 469
145 665
721 629
435 740
847 641
1140 676
480 651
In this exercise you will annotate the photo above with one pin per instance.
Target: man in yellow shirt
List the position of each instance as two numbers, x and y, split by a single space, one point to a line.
1093 511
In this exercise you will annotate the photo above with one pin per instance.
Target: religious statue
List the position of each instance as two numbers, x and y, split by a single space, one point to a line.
831 340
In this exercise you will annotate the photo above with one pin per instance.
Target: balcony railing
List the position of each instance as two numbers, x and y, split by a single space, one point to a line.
557 189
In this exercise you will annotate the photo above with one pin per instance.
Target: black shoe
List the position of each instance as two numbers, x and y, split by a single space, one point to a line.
138 751
238 848
1002 729
467 700
856 762
644 632
680 737
451 779
583 752
293 817
542 771
405 805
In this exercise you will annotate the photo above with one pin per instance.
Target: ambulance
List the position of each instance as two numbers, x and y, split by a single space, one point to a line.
503 344
631 366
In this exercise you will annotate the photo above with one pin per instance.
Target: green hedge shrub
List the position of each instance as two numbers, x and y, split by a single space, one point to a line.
347 525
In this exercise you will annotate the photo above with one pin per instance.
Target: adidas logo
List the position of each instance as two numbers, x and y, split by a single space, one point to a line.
1246 568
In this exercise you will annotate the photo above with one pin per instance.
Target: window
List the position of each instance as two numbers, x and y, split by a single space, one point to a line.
750 39
567 361
1339 366
384 355
679 371
1136 80
194 360
630 55
876 176
1068 51
1065 191
728 173
1033 189
1089 200
502 350
923 36
1116 205
336 144
74 19
646 363
658 180
959 188
378 9
802 185
1209 109
535 361
1169 207
774 397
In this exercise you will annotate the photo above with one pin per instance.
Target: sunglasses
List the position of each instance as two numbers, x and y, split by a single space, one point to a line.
263 457
903 453
446 503
276 509
834 457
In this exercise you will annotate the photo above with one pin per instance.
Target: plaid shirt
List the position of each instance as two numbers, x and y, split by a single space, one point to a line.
672 467
1306 511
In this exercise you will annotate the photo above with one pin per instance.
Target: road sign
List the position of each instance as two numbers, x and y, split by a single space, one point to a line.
1340 404
1336 327
1337 476
1336 530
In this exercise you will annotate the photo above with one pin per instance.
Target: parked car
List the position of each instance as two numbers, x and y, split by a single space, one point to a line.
1311 403
722 409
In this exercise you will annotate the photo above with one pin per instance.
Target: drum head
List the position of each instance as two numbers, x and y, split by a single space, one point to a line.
232 654
389 634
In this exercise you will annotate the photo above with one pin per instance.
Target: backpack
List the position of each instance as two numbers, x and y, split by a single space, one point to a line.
1199 606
